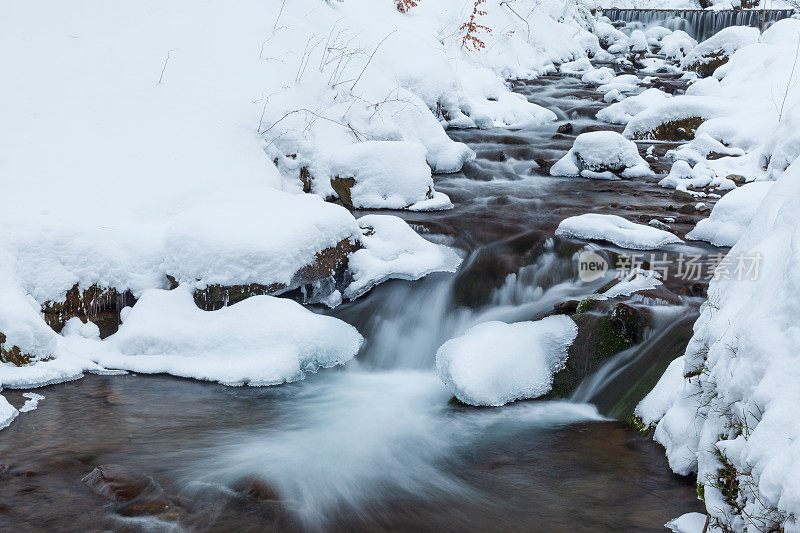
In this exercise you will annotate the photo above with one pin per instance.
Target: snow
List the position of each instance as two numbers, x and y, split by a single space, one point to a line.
602 154
617 230
688 523
622 112
638 42
495 363
671 109
624 83
387 174
75 326
391 249
579 66
7 412
636 280
677 44
253 235
742 392
731 215
263 340
598 76
31 403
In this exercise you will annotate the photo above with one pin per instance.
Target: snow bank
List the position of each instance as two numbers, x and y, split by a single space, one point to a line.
622 112
391 249
616 230
602 155
644 124
386 174
731 215
721 45
495 363
260 341
7 412
731 413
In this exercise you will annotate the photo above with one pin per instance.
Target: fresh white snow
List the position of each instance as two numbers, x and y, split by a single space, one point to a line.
602 155
495 363
617 230
731 215
7 412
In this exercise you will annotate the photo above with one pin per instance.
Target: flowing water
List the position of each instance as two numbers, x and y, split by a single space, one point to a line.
379 445
699 23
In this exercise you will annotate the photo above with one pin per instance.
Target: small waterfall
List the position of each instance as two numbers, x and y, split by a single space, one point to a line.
700 24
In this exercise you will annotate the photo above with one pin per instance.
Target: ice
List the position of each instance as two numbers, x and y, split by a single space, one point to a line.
32 402
495 363
636 280
617 230
393 250
260 341
731 215
602 154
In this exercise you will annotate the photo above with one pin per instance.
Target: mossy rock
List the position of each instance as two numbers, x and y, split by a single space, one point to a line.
12 354
343 187
99 304
674 130
706 65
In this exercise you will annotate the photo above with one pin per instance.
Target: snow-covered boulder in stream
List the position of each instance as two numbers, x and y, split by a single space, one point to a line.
602 155
385 175
624 111
715 51
616 230
391 249
495 363
731 215
263 340
7 412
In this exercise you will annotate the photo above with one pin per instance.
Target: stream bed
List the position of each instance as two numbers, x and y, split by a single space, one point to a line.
379 445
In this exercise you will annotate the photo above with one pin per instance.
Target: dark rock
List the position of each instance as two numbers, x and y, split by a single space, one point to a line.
120 484
687 209
566 308
12 354
673 130
738 179
99 304
342 187
565 128
256 489
682 196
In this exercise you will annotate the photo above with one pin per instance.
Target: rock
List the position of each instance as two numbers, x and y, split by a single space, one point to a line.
149 506
12 354
256 489
738 179
659 225
99 304
687 209
568 307
565 128
673 130
120 484
682 196
342 187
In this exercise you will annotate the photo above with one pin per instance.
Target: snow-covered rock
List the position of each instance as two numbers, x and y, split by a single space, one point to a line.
391 249
617 230
622 112
637 43
598 76
731 215
624 83
382 175
677 44
674 118
260 341
495 363
579 66
602 155
715 51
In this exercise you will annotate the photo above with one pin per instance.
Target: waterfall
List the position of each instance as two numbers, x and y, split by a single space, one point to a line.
700 24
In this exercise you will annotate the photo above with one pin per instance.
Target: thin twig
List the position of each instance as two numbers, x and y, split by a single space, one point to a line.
370 59
520 17
164 68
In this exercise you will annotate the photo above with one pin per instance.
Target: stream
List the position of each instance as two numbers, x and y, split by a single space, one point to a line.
378 444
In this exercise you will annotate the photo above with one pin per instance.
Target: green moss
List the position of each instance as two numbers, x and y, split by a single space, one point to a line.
636 422
701 491
674 130
12 354
610 339
587 304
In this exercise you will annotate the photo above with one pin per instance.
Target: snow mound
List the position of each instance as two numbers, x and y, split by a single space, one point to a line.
253 235
603 155
722 44
638 42
598 76
677 44
622 112
731 215
495 363
579 66
260 341
688 523
386 174
624 83
7 412
644 124
392 249
616 230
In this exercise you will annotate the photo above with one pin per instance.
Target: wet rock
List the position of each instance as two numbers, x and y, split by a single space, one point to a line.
149 506
738 179
565 128
120 484
682 196
687 209
99 304
570 307
342 187
707 64
257 489
310 284
659 225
